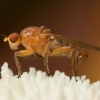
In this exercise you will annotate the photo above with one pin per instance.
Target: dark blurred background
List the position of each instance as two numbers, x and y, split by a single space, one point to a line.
77 19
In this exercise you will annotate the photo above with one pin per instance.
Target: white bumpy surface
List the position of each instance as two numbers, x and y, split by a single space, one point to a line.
35 85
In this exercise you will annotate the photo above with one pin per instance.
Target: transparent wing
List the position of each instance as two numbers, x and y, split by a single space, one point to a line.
66 40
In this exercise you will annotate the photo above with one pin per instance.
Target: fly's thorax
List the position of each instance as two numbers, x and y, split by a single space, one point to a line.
34 38
29 31
34 31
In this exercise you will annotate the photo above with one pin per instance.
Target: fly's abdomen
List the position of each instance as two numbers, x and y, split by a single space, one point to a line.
81 55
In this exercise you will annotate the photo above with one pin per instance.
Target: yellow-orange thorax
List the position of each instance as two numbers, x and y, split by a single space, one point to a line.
34 38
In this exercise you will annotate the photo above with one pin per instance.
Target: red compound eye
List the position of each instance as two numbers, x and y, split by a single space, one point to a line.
13 37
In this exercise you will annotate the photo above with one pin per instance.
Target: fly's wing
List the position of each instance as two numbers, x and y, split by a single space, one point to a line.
66 40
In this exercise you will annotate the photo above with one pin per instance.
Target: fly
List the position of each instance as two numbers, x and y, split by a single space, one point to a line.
39 41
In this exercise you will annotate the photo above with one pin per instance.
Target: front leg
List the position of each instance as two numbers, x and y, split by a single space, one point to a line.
22 53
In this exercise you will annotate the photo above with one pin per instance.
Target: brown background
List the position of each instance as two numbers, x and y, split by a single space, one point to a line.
77 19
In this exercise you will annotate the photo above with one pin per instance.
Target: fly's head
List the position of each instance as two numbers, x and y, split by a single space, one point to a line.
14 41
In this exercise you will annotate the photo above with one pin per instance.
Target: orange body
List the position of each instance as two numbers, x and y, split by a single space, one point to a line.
34 39
40 41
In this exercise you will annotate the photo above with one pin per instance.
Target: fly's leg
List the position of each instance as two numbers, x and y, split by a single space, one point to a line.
55 52
67 51
60 50
73 64
45 60
22 53
17 64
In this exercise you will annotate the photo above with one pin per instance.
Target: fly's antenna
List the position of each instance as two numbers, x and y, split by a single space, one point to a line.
3 35
5 39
